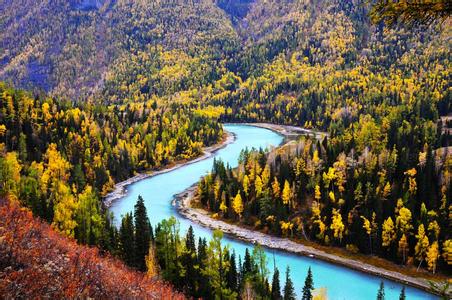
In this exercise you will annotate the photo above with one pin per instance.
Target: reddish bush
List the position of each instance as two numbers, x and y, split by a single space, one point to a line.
37 262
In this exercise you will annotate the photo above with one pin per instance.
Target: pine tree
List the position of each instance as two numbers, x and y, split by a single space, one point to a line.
276 287
381 292
232 276
190 240
189 262
142 234
402 294
127 240
308 286
289 292
247 265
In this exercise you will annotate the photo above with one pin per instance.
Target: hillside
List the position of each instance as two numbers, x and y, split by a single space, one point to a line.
67 47
95 92
37 262
132 50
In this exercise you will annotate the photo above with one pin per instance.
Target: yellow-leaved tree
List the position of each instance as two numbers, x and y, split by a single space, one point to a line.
152 264
337 225
246 184
422 245
286 193
258 186
65 209
403 247
276 188
237 205
10 174
432 256
388 234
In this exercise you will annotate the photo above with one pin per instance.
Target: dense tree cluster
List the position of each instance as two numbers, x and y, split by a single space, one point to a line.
158 75
58 159
199 268
372 200
70 47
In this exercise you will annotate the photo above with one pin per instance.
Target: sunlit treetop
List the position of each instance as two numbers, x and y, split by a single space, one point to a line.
412 13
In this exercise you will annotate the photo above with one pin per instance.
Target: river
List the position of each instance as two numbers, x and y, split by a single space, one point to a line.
158 193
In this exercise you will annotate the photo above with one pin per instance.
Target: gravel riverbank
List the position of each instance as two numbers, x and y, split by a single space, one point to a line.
120 189
202 217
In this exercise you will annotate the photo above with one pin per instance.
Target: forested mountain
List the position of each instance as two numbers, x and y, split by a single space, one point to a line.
68 47
117 87
131 50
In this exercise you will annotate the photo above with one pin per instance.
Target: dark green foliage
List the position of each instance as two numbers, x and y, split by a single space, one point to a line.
402 294
381 292
142 234
127 240
232 274
276 287
308 286
289 291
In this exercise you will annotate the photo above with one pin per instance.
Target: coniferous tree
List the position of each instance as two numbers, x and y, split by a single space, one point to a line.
142 234
276 287
247 265
381 292
203 291
232 275
308 286
189 262
289 292
127 240
402 294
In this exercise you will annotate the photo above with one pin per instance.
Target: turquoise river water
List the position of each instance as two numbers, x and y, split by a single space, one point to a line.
158 193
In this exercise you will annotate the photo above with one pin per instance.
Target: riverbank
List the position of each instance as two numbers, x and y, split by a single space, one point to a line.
183 205
120 188
290 132
357 262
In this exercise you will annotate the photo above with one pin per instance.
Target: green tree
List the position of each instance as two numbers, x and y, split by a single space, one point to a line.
381 291
308 286
276 286
127 240
215 268
142 234
289 291
89 219
402 294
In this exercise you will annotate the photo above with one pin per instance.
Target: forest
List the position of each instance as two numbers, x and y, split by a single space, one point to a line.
95 92
60 159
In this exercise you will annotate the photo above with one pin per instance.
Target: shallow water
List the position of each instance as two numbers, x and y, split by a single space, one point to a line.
158 192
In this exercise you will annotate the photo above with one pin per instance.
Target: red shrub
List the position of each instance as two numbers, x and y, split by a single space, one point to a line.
37 262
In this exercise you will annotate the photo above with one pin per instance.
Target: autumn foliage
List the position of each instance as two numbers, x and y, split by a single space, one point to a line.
36 261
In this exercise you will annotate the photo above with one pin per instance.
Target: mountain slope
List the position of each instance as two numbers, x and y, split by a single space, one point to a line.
67 47
37 262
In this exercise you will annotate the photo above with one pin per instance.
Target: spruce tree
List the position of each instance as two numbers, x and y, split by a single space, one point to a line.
308 286
289 292
402 294
204 290
189 262
127 240
276 287
381 292
142 234
247 265
232 275
190 240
